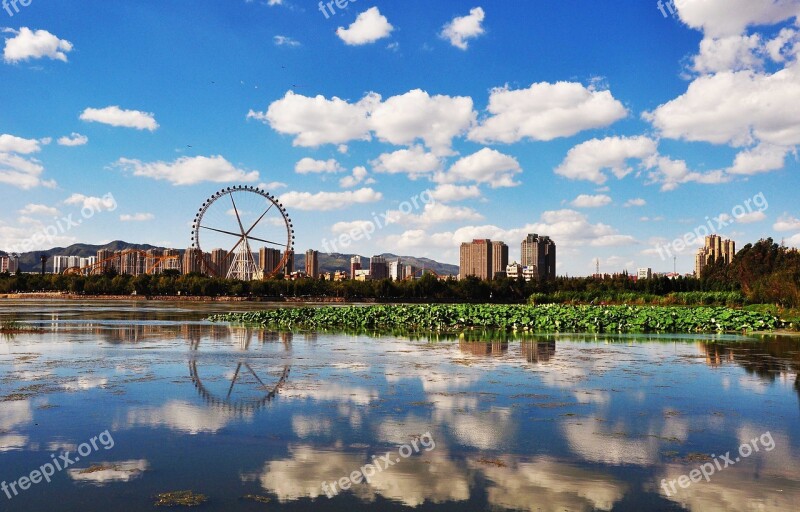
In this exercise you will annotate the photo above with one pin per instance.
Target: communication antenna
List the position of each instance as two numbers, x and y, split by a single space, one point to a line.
597 266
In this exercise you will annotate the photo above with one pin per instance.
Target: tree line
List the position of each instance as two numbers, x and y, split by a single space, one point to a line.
760 273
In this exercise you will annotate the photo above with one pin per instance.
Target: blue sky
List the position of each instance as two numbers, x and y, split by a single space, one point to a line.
606 125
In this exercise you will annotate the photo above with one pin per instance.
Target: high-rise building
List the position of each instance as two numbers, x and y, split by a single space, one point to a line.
221 261
476 260
355 265
499 259
312 264
378 269
106 257
60 264
9 263
152 261
289 266
540 252
86 262
268 260
396 270
644 273
191 261
716 249
409 272
131 263
172 260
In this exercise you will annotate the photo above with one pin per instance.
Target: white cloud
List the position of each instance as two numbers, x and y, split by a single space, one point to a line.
672 173
762 158
718 18
115 116
137 217
545 112
461 28
635 202
359 175
733 53
21 171
414 162
14 144
311 166
749 218
317 121
447 192
400 120
486 166
75 139
588 160
787 222
325 201
591 201
188 170
403 119
368 27
272 185
438 213
39 209
27 44
94 203
737 108
285 41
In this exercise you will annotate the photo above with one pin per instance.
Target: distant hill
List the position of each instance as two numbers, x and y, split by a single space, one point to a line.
337 261
30 261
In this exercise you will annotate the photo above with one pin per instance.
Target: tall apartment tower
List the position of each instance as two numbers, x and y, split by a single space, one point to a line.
105 257
396 270
191 260
312 264
355 264
476 259
289 267
268 260
378 269
499 258
539 252
716 249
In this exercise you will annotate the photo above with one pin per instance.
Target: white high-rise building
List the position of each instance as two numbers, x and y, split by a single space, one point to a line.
60 264
396 270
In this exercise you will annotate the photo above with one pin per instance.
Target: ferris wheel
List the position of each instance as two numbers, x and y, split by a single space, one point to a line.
243 233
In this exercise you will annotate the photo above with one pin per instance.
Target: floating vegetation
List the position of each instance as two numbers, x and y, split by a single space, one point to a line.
14 327
257 498
180 499
517 318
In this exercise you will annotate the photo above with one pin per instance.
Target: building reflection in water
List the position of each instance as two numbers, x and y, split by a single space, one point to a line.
538 351
483 348
770 358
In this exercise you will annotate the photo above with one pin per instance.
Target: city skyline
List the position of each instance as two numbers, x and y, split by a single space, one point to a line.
593 147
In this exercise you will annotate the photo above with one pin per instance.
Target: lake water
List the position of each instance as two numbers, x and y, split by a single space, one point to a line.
158 400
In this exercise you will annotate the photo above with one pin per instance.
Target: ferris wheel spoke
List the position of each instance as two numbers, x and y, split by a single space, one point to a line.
238 219
259 219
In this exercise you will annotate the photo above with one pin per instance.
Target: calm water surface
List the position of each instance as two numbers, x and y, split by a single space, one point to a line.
551 422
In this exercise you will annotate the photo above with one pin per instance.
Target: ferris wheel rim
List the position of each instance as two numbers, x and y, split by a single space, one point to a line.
197 225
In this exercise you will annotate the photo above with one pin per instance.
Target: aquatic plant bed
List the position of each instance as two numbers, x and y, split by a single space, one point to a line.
544 318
